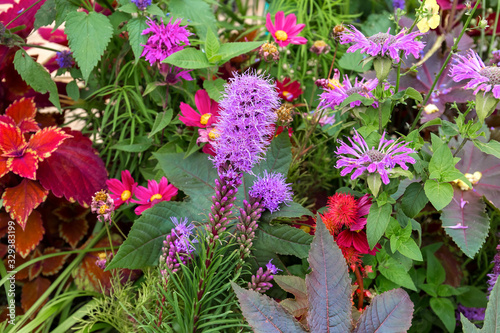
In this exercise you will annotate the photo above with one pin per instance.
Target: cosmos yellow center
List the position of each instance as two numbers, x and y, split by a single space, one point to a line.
281 35
286 93
213 134
126 195
332 84
155 196
305 228
319 43
102 209
204 118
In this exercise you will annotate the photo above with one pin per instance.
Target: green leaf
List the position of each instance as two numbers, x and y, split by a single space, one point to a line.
414 94
198 11
492 147
374 182
161 121
264 314
214 88
394 271
441 161
410 249
328 285
140 144
88 36
36 76
63 8
143 246
473 298
212 45
485 105
435 271
292 284
439 194
153 10
445 311
72 90
189 58
445 290
135 27
353 62
45 15
492 315
414 199
391 311
129 8
356 97
230 50
382 66
283 239
468 327
377 222
292 209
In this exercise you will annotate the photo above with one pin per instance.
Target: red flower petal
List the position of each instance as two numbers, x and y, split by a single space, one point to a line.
46 141
24 166
29 238
11 139
20 200
74 231
32 291
23 113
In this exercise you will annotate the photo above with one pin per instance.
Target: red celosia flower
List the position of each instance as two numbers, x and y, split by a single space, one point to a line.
345 210
208 111
154 193
351 255
122 191
285 29
289 90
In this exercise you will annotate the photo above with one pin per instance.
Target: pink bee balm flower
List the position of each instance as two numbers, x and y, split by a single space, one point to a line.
122 191
482 77
208 111
153 194
285 29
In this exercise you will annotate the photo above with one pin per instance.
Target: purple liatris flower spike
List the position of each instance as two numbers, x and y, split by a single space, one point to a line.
272 189
64 59
482 77
334 92
244 124
247 224
398 4
474 314
260 281
360 158
141 4
165 39
383 44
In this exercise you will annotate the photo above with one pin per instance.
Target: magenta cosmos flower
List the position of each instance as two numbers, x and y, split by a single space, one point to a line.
482 77
383 44
380 160
122 191
335 92
208 111
285 29
154 193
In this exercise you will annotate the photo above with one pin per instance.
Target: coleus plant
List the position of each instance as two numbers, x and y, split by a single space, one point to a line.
327 298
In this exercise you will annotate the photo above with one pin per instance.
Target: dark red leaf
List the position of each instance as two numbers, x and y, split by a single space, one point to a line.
23 112
20 200
36 268
53 265
25 165
32 291
29 238
73 232
46 141
11 139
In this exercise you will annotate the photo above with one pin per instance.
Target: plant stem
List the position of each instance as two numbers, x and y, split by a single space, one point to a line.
40 47
361 293
333 60
464 141
482 39
453 50
109 238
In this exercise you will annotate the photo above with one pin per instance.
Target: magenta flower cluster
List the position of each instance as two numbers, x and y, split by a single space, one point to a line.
245 122
360 158
272 190
141 4
383 44
165 39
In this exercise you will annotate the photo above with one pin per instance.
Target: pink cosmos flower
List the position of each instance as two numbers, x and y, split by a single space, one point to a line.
122 191
285 29
154 193
207 107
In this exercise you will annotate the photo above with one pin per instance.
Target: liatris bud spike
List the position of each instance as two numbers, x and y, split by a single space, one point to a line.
260 281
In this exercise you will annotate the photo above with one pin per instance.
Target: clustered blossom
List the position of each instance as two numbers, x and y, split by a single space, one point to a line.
383 44
177 246
260 281
334 92
165 39
269 51
320 47
154 193
360 158
285 29
103 206
244 126
482 77
272 190
122 191
247 224
399 4
64 59
141 4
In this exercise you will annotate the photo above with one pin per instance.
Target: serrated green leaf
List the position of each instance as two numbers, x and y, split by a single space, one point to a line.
189 58
377 222
140 144
88 36
445 311
161 121
439 194
63 8
212 45
135 27
292 209
353 62
394 271
414 199
46 14
154 10
410 249
128 8
36 76
283 239
231 50
214 88
143 245
492 147
414 94
198 11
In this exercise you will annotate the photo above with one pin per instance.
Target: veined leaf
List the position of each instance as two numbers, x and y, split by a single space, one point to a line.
189 58
230 50
492 315
283 239
445 310
414 199
198 11
377 222
135 27
439 194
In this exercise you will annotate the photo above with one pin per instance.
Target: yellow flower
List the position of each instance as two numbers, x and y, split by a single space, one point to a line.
430 16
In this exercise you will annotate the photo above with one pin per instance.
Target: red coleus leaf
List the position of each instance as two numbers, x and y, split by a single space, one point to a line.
25 165
58 36
46 141
29 238
11 139
36 268
53 265
3 166
73 232
32 291
74 170
4 224
20 200
22 112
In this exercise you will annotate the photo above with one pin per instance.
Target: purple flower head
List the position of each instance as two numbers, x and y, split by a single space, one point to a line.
64 59
495 60
141 4
399 4
380 160
244 123
183 230
335 93
272 189
165 39
383 44
272 269
474 314
482 77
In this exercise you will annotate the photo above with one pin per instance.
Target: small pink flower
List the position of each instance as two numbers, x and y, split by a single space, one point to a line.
122 191
208 111
154 193
285 29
